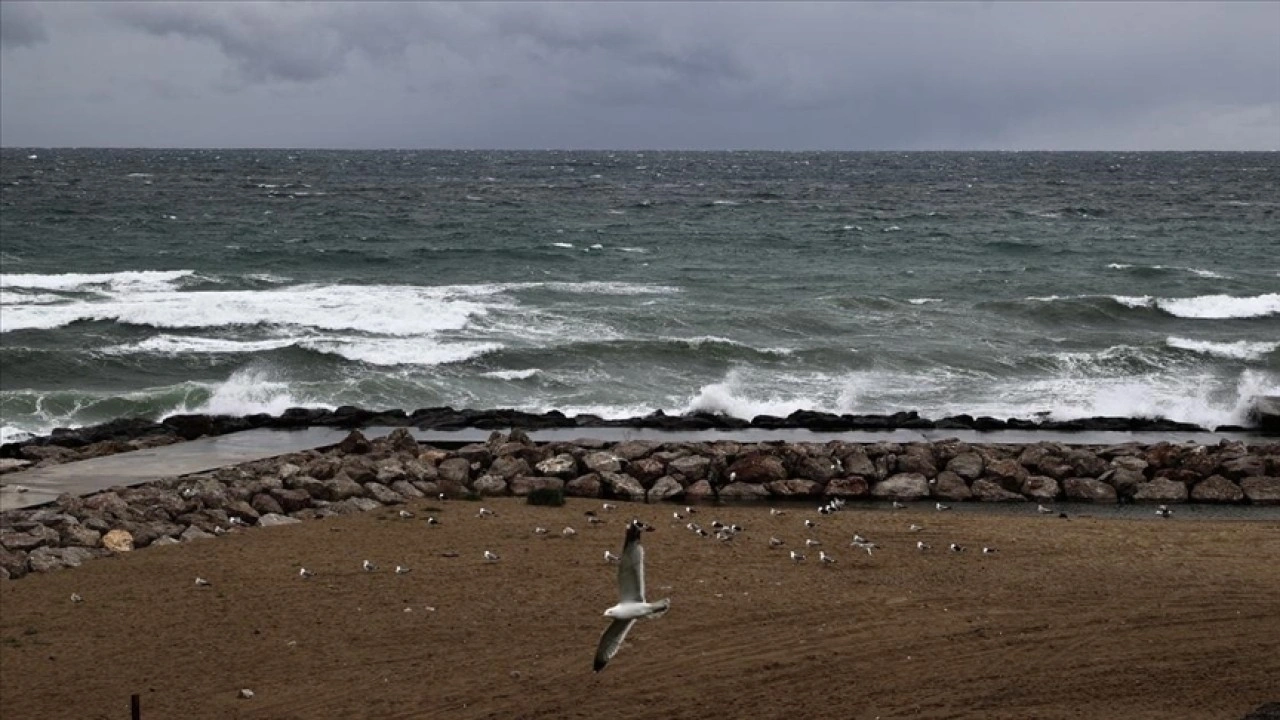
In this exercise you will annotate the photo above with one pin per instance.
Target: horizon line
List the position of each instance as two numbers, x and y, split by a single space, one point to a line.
624 150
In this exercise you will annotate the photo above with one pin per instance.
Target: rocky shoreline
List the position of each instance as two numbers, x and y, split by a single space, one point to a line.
359 475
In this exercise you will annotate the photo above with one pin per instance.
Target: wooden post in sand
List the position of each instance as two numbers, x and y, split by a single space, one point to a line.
135 707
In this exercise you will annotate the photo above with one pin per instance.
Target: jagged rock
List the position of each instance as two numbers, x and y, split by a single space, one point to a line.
699 490
508 467
646 470
852 486
354 505
401 440
1131 463
428 489
1161 490
406 489
417 470
311 486
744 491
322 468
584 486
454 471
633 449
264 504
522 485
272 519
13 562
919 459
163 540
45 559
1217 489
795 487
382 493
1008 474
244 510
620 485
194 533
487 485
1243 467
292 500
601 462
287 470
79 535
355 443
753 468
951 486
389 470
692 467
118 541
475 453
665 488
75 556
360 468
28 541
857 463
1125 481
968 466
563 465
1041 487
816 469
1085 463
107 503
340 487
985 490
1261 490
903 486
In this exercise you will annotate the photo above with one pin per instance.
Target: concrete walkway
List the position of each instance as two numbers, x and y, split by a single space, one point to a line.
28 488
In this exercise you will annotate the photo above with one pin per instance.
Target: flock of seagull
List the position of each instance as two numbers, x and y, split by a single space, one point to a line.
632 605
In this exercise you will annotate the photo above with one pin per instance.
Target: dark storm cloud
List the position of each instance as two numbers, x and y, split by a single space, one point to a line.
631 75
20 24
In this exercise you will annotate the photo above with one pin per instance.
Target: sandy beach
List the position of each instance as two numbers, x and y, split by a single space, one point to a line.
1079 618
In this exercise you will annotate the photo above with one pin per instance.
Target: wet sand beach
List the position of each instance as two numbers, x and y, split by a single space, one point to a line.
1089 617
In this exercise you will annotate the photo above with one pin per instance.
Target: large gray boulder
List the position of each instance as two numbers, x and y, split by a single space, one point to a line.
563 466
755 468
1217 489
1088 490
1041 487
1161 490
692 467
587 486
844 487
967 465
903 486
665 488
488 485
601 462
1261 490
620 485
985 490
951 486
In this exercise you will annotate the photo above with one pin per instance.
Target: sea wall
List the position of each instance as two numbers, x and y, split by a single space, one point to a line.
359 474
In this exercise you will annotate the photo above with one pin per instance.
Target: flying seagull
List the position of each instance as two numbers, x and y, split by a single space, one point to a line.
631 604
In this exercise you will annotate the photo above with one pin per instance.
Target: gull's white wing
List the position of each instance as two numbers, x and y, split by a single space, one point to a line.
610 641
631 567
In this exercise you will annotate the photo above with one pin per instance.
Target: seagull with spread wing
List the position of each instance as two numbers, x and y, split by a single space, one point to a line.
631 603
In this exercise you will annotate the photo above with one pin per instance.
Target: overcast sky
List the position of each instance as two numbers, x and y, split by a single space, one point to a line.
841 76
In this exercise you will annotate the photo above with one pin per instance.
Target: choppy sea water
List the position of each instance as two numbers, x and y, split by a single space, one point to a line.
1059 285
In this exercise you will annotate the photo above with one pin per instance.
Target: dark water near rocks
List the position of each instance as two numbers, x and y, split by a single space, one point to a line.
1006 284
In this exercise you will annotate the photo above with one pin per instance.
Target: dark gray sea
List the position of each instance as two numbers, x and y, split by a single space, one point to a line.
1059 285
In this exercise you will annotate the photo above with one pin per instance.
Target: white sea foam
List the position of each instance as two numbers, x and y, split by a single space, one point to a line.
179 344
513 374
403 351
1218 307
19 297
128 281
562 244
639 250
250 391
1239 350
923 301
379 309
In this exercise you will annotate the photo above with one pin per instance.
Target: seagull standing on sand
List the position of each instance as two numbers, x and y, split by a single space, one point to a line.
610 557
988 551
304 573
810 542
201 582
825 558
775 542
797 557
405 514
368 566
810 524
1164 512
568 531
921 546
75 598
898 506
915 528
402 570
483 512
956 547
941 507
609 506
631 603
491 557
1043 510
776 512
